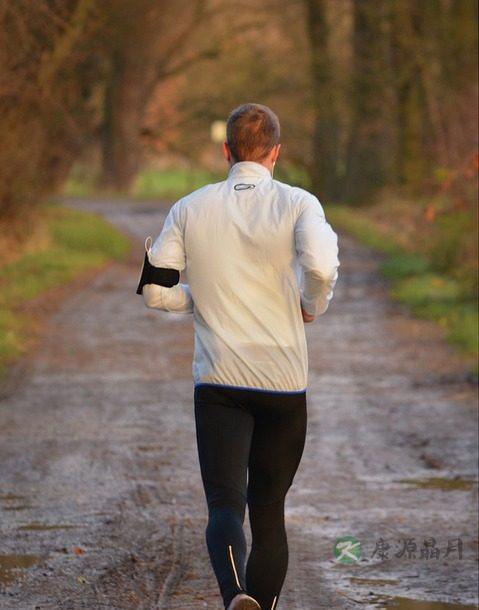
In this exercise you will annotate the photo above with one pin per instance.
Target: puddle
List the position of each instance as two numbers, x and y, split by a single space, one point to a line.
441 483
12 567
43 526
372 581
405 603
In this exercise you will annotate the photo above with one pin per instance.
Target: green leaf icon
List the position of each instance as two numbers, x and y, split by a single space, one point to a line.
347 549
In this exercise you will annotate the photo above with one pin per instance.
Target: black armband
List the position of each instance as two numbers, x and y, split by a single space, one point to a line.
157 275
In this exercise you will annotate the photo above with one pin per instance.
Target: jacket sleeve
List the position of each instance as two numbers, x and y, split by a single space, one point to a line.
317 250
177 298
168 252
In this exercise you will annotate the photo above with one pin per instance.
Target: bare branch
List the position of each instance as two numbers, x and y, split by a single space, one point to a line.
187 62
66 42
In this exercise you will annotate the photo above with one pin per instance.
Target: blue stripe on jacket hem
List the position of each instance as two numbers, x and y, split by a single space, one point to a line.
238 387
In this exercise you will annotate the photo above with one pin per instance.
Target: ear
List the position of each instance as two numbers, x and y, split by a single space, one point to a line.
275 152
226 152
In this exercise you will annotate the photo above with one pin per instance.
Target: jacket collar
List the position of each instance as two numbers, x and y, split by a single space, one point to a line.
249 169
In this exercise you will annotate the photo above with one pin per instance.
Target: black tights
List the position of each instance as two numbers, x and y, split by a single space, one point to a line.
250 444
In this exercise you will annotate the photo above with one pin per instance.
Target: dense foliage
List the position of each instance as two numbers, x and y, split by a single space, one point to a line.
371 93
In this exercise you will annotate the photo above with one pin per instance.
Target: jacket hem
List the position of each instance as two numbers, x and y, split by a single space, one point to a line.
254 389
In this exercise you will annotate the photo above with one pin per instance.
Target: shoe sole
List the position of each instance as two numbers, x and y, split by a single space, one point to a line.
246 604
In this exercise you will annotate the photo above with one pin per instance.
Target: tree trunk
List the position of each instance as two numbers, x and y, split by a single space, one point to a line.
138 51
324 167
409 94
123 110
370 150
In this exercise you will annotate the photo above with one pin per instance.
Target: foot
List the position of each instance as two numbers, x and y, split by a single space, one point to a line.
243 602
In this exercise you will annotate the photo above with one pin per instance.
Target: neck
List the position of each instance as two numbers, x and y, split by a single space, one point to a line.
265 163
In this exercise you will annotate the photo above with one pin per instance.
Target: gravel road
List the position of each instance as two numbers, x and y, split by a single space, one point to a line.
101 506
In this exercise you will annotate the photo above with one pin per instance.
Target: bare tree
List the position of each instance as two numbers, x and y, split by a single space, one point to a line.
45 85
146 43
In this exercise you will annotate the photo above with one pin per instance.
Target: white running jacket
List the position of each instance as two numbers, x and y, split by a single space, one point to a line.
253 249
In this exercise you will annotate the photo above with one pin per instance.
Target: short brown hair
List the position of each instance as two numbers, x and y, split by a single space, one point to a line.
251 132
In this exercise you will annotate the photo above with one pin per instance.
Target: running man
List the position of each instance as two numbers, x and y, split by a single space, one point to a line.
260 260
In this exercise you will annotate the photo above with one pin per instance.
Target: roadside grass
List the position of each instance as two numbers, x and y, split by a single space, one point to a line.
77 242
168 184
450 299
172 183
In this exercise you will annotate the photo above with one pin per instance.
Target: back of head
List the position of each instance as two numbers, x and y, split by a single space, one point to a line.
251 132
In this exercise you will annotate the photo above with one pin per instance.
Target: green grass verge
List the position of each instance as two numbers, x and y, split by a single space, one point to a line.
170 184
79 241
350 220
415 281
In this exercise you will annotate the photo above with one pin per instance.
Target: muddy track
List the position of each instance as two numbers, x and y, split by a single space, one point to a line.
101 505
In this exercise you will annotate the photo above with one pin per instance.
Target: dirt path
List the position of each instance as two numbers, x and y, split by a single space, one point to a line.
100 499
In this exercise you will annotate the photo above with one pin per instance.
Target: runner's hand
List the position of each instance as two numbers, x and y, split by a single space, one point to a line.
307 317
